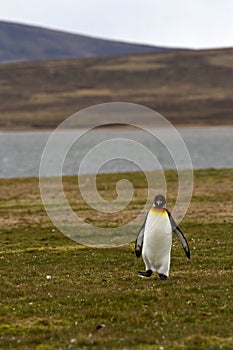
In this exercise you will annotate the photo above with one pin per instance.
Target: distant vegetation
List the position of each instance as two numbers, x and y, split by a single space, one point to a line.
187 87
20 42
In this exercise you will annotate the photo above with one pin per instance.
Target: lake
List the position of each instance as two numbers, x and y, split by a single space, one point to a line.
20 152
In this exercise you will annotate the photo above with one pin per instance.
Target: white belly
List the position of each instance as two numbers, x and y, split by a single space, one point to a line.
157 242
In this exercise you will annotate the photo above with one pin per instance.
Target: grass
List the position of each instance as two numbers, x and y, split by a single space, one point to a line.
56 294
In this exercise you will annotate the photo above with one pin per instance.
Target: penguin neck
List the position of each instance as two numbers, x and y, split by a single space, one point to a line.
154 206
158 210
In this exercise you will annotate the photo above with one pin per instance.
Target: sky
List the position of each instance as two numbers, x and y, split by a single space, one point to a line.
174 23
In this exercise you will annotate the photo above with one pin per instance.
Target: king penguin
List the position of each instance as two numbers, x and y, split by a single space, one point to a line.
154 240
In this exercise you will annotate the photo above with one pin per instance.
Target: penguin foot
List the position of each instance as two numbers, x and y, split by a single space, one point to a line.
147 273
162 277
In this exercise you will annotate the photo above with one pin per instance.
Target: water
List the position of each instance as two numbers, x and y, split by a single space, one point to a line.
20 152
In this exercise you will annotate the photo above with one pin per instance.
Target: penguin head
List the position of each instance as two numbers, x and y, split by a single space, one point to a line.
159 201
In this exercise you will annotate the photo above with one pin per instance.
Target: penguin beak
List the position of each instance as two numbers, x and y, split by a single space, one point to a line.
160 204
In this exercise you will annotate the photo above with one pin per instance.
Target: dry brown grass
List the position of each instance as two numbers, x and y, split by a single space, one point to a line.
21 204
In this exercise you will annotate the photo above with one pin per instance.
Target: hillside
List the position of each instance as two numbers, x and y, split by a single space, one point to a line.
187 87
20 42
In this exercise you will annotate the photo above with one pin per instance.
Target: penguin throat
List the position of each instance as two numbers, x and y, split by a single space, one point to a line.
155 206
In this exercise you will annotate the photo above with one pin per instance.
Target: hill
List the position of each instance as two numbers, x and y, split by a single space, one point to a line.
187 87
19 42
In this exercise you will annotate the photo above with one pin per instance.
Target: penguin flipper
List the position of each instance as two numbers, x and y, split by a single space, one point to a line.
183 241
139 240
179 234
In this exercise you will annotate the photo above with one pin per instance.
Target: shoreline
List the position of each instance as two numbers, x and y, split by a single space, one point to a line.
167 171
125 127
